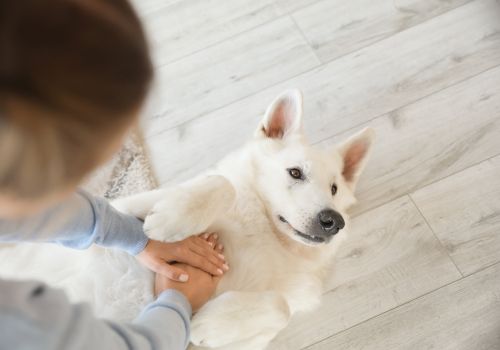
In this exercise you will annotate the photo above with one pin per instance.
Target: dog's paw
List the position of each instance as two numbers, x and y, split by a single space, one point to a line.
168 222
214 332
189 208
201 338
235 316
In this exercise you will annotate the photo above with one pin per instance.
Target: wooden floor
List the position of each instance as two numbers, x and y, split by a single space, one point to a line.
422 268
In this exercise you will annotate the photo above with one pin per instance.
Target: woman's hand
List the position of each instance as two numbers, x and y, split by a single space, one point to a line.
197 251
200 287
198 290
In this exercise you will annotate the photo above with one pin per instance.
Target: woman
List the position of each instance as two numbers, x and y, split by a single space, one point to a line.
73 76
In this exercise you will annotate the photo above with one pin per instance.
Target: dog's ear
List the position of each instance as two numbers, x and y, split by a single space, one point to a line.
283 117
354 153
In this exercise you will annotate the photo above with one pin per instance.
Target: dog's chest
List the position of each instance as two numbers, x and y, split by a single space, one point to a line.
259 262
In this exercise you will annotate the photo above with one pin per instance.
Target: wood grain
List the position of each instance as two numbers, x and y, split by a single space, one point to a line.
289 6
431 139
185 27
461 316
335 28
390 258
425 75
145 7
233 69
338 95
464 212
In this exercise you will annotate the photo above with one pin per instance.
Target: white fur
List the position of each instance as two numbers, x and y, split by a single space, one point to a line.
273 272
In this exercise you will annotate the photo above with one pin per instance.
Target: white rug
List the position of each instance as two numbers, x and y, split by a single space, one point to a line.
128 172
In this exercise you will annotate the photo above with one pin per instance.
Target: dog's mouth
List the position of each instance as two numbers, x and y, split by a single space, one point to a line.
311 238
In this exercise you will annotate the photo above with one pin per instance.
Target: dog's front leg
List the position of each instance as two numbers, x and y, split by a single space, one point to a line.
139 205
251 319
189 208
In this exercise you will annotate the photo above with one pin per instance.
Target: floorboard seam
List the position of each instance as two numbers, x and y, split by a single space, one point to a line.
350 128
221 41
321 64
435 236
294 10
423 186
403 304
406 105
306 39
401 31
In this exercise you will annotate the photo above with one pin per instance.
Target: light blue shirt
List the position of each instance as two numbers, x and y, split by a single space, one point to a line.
78 222
34 316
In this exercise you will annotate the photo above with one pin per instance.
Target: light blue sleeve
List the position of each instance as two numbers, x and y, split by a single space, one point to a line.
34 316
78 222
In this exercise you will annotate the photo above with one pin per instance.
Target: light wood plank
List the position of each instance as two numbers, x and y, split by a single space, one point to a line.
145 7
289 6
464 212
339 95
223 73
431 139
461 316
391 257
184 27
337 27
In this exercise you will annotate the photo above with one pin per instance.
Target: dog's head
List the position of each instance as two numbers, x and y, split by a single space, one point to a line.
307 190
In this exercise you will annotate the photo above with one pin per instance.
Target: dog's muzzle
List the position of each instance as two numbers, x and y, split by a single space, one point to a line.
322 228
330 221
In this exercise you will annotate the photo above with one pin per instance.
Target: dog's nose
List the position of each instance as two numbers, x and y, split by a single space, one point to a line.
331 221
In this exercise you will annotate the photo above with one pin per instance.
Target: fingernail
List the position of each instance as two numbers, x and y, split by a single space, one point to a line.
220 246
205 235
211 244
183 278
219 271
225 267
216 236
222 256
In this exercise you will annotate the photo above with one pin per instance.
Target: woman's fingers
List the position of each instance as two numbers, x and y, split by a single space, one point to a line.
212 239
170 271
189 256
211 256
205 253
208 263
220 249
208 246
208 238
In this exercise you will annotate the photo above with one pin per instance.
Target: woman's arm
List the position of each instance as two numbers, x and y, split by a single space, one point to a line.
78 222
83 219
34 316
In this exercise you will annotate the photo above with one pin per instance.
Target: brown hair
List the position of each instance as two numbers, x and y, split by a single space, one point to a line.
73 73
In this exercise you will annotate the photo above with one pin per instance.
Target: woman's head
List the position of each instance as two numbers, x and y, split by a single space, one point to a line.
73 74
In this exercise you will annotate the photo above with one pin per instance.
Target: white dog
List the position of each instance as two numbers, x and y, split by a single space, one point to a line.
279 207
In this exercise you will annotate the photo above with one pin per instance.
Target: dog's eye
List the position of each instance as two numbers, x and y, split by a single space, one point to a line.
295 173
334 189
